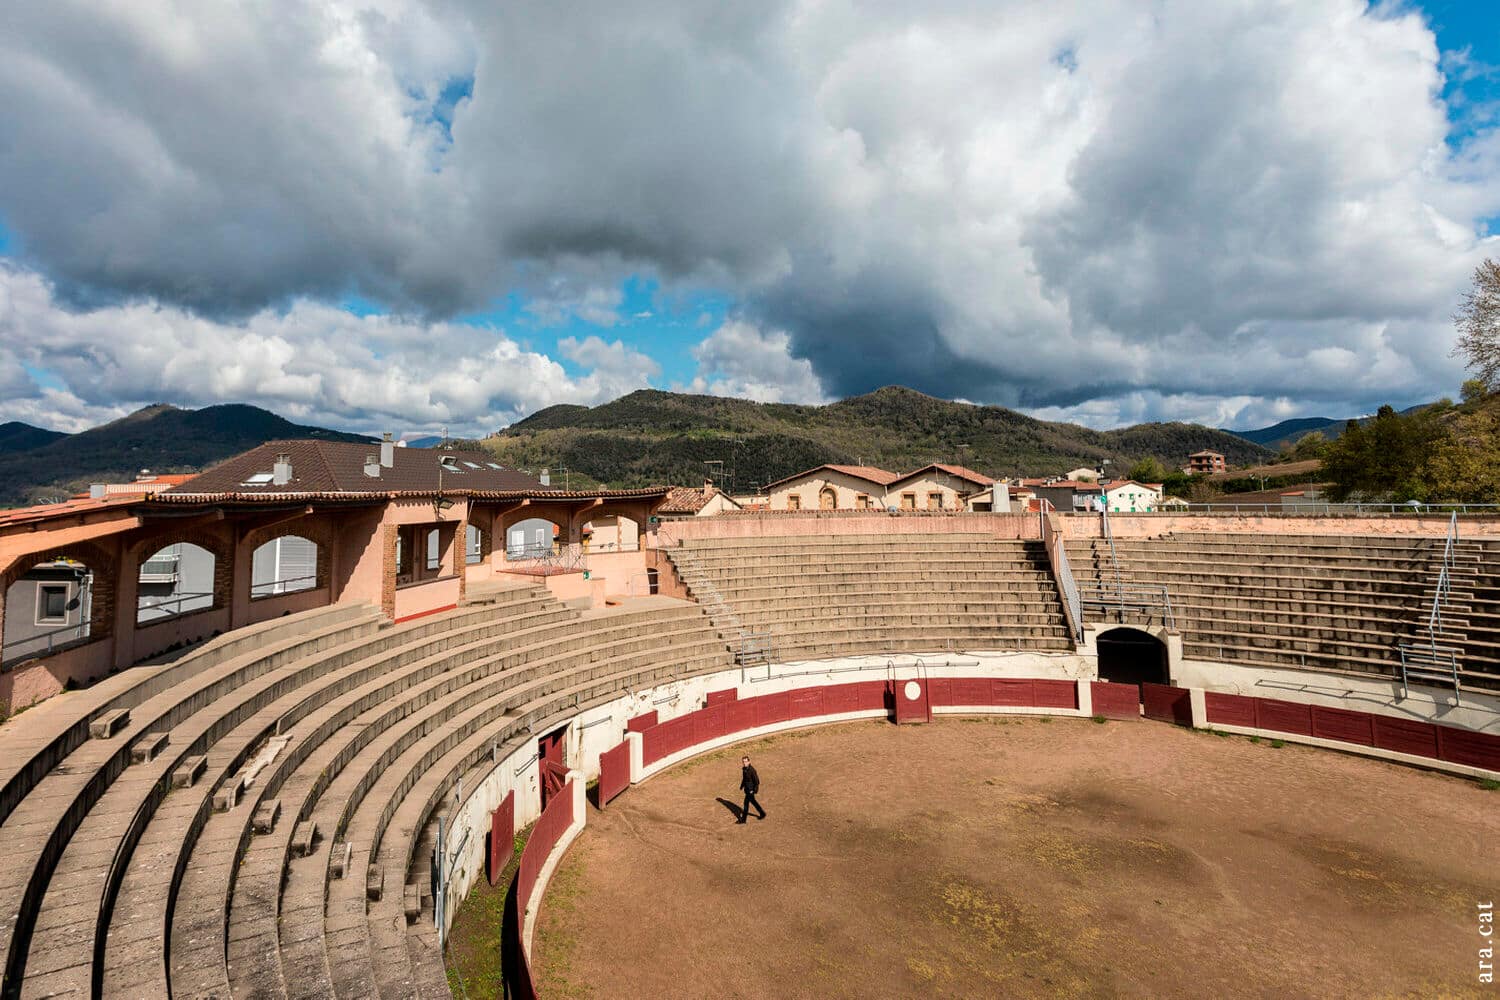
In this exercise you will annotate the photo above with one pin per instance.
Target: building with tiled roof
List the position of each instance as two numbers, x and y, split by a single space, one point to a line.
704 501
338 467
936 486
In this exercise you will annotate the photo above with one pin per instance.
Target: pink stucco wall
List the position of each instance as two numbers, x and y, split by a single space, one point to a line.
430 595
851 522
36 680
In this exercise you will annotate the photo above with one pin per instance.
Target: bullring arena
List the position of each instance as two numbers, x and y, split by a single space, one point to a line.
1003 754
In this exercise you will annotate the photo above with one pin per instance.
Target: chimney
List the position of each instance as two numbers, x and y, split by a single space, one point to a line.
545 478
387 451
96 491
372 466
708 488
281 472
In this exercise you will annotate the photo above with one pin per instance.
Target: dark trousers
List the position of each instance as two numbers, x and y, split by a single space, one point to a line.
745 809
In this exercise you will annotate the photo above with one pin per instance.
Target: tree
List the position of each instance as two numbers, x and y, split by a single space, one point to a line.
1148 470
1478 322
1472 391
1385 458
1310 445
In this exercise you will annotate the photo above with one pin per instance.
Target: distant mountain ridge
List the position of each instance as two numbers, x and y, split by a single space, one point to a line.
651 436
161 438
16 436
1289 431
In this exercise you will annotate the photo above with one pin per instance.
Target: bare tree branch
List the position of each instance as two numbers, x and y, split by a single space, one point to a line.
1478 322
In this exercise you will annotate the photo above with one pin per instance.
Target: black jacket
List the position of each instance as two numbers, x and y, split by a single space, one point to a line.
749 780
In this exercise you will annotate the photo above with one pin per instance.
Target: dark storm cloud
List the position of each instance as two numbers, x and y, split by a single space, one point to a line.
1222 209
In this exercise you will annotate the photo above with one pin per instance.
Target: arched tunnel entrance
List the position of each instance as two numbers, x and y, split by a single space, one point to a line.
1130 656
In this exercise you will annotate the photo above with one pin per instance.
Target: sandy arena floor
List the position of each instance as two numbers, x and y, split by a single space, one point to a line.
987 858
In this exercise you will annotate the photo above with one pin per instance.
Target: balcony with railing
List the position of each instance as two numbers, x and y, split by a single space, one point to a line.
160 568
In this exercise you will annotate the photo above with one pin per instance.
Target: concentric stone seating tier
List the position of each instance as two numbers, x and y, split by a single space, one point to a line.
832 596
1331 603
192 867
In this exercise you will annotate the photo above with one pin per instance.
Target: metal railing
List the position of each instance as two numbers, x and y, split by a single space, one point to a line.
1321 509
547 559
42 643
1147 599
159 569
1057 554
270 588
1433 661
750 648
153 611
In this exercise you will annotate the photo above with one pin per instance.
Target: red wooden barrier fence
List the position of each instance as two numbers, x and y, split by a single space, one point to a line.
1408 736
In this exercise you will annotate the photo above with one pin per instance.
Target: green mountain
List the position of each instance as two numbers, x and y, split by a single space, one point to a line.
16 436
653 437
160 438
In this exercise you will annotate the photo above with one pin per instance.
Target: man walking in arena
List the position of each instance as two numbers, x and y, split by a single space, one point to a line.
749 784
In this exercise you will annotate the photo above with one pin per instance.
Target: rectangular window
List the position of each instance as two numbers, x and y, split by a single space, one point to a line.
934 501
862 501
908 501
793 502
52 605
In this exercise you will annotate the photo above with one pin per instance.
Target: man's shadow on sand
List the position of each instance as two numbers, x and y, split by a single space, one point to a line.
731 807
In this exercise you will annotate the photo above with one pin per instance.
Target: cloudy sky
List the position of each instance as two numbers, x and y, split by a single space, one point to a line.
408 213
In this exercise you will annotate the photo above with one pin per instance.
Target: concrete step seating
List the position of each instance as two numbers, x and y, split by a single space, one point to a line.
821 596
151 861
1334 603
453 683
45 821
74 915
377 690
322 943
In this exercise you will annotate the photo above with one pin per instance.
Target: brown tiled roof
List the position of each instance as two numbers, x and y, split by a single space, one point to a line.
957 471
1075 484
684 500
868 473
689 500
69 508
337 467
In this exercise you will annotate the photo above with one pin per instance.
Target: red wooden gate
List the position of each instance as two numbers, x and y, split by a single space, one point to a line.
614 772
913 700
1165 703
502 836
554 773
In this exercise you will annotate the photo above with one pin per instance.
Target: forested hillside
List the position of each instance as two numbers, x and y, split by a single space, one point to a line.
651 436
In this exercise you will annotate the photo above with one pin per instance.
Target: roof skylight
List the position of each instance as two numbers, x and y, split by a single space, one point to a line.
259 479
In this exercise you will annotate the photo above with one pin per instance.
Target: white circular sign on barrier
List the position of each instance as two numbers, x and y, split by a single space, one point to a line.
913 690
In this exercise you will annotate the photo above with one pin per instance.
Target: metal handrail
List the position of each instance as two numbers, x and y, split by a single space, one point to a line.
1320 508
1445 580
1057 550
178 601
52 642
259 589
1121 597
569 558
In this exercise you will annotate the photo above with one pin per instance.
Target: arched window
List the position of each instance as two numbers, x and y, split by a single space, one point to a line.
828 499
283 565
175 580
